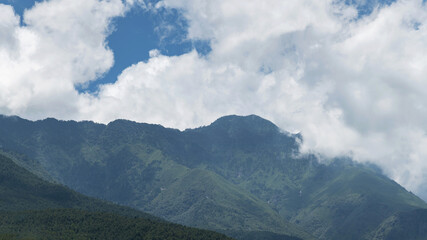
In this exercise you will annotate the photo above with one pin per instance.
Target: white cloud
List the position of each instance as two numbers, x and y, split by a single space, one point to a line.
61 44
352 86
8 23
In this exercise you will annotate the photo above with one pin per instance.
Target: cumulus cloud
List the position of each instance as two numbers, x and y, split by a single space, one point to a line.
352 85
61 44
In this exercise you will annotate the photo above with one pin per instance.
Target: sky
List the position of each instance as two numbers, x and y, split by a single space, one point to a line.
349 75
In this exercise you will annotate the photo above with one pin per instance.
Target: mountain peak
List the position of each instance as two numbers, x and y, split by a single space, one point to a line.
246 131
250 122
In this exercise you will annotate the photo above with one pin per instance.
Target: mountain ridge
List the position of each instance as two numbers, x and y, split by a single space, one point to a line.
130 163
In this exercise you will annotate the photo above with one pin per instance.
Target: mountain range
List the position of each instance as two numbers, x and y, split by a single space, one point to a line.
241 175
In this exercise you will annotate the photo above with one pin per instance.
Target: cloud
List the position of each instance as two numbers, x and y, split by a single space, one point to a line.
8 24
61 44
353 85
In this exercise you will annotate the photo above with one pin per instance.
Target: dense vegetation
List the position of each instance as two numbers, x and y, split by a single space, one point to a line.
31 208
22 190
247 235
240 173
78 224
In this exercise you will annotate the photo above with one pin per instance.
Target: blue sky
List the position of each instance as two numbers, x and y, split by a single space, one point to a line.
349 75
366 7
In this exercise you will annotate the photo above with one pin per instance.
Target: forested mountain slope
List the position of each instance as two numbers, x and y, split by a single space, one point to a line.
31 208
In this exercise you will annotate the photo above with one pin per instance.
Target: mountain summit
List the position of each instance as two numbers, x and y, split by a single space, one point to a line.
251 123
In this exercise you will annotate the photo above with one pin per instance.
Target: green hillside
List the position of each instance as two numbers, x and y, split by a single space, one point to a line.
410 225
21 190
354 202
205 200
31 208
237 174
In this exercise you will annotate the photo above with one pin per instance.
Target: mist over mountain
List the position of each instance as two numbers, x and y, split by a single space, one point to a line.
239 174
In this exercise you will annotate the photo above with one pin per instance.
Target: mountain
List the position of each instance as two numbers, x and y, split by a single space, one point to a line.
239 174
129 163
332 201
32 208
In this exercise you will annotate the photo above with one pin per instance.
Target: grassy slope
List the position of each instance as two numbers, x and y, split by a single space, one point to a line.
203 199
22 190
352 202
410 225
31 208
